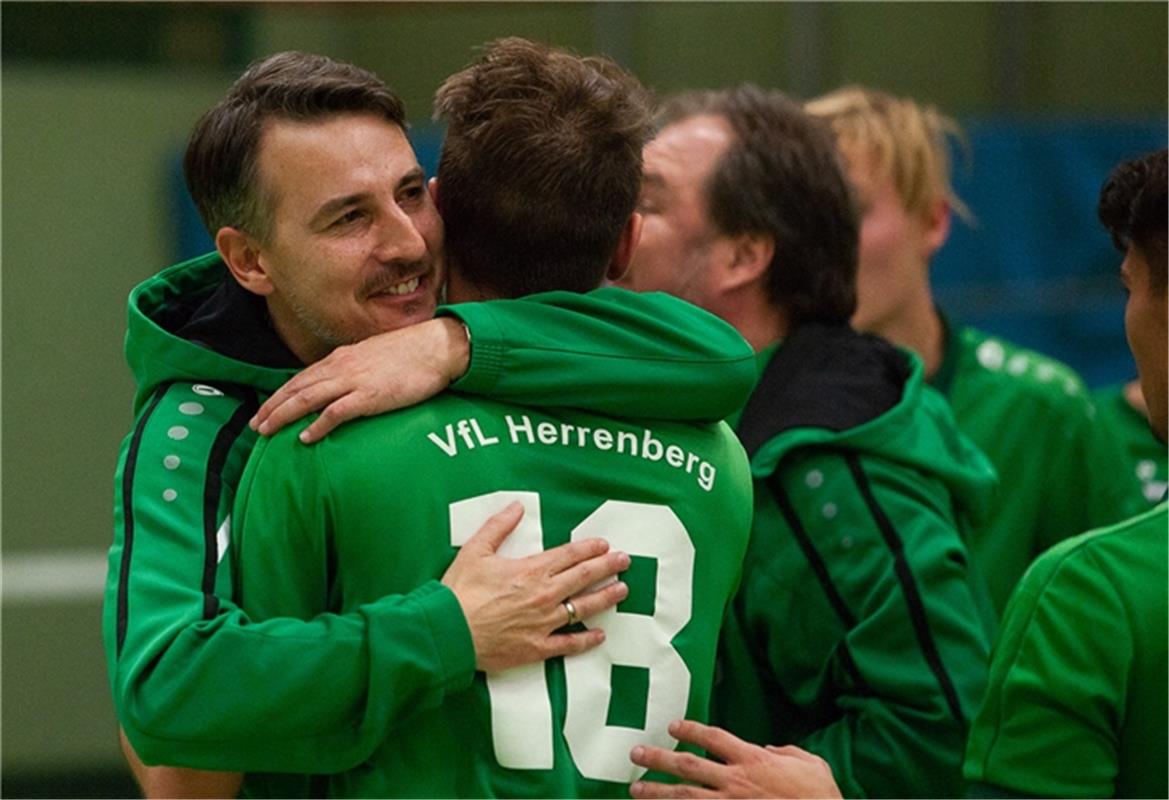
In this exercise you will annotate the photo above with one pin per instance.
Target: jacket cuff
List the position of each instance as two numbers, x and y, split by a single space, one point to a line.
488 347
452 636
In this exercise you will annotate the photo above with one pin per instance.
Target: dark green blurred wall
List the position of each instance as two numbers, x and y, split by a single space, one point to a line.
97 97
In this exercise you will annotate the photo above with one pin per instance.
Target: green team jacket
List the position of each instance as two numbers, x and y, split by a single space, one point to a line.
381 506
1076 705
192 677
1060 471
1148 459
860 631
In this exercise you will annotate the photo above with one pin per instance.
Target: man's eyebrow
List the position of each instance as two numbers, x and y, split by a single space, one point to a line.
333 206
416 174
652 179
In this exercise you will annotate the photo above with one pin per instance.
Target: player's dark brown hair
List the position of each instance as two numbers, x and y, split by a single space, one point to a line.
1133 208
541 166
781 176
220 164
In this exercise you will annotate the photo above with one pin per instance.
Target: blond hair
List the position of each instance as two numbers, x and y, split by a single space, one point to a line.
903 140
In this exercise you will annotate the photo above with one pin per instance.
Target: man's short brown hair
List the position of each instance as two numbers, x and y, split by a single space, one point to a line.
781 176
541 166
223 151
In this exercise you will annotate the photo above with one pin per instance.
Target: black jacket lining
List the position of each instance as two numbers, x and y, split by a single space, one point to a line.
909 588
233 322
128 515
823 376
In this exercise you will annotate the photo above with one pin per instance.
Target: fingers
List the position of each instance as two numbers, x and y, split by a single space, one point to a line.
681 764
651 789
588 573
715 741
290 402
791 751
496 528
571 644
561 558
592 603
340 410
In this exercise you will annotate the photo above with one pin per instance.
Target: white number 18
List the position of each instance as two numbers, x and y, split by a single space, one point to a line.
521 711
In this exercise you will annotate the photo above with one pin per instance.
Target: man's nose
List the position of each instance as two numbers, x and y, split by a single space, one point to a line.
398 238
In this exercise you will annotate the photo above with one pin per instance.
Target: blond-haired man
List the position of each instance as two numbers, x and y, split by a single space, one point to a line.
1059 471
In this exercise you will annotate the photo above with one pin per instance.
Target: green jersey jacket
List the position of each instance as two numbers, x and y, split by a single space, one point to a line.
860 631
1076 705
1148 460
1060 471
380 508
192 677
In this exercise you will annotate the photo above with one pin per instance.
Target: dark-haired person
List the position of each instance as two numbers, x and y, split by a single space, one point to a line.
325 235
542 157
858 633
1059 470
1076 704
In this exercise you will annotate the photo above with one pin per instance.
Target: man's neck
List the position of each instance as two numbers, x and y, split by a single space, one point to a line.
918 328
757 320
303 345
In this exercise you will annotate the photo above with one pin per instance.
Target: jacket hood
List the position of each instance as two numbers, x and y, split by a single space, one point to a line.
830 386
163 305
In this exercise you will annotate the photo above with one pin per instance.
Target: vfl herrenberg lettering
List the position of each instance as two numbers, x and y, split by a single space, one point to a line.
467 434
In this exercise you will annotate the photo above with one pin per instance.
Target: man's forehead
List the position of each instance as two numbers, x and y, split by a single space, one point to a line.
320 159
335 138
692 144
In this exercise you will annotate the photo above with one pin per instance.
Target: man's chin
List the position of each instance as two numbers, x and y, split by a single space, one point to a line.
398 316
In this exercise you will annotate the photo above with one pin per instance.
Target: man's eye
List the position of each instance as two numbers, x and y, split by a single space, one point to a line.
412 193
647 206
349 217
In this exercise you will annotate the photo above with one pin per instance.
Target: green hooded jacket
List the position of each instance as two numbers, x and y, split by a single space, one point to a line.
180 652
860 631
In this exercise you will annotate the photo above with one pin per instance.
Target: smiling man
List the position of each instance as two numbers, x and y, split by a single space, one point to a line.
325 236
355 248
542 157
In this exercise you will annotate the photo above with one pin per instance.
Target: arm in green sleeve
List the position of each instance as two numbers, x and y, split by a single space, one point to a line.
920 644
861 617
195 681
611 351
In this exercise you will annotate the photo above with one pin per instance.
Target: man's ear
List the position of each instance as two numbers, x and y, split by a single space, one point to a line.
242 256
432 187
937 227
630 236
751 255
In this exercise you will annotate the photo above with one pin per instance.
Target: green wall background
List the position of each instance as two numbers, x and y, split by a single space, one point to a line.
97 97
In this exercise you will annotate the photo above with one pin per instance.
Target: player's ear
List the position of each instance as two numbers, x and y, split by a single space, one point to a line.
630 236
937 227
751 255
432 187
241 253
